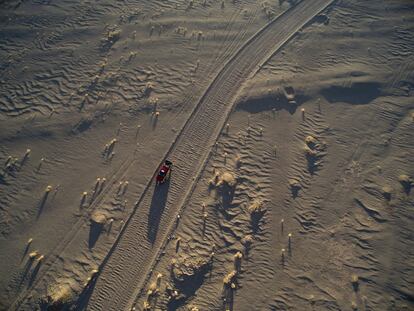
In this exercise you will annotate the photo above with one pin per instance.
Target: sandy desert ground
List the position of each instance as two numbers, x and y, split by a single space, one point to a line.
291 128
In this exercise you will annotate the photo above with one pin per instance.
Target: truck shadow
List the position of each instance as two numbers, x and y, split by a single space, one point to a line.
158 202
94 233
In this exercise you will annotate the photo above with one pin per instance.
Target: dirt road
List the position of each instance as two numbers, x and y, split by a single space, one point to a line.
146 232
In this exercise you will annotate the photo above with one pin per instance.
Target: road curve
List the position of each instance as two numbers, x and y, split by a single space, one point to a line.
145 234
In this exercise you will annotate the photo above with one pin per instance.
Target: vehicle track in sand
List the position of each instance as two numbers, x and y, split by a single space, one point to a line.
144 236
119 173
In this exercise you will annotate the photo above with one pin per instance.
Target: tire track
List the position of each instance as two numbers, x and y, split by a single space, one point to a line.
113 178
144 235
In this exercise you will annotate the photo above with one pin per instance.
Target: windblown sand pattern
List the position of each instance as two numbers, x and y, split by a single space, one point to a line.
290 125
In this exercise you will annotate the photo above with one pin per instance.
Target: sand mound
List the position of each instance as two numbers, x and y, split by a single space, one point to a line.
185 269
98 218
225 179
228 179
314 151
256 210
187 274
59 296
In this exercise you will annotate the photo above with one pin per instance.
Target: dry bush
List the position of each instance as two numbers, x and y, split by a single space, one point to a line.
26 156
237 161
185 269
354 305
294 186
83 198
256 207
114 35
406 182
237 258
111 37
59 296
267 9
33 255
227 179
152 290
311 154
310 141
256 210
387 192
146 306
355 281
149 87
98 218
173 294
314 150
230 278
91 277
214 180
247 241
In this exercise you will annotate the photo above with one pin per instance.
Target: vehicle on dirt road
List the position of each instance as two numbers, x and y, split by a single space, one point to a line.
164 173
